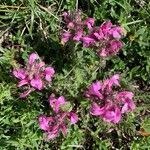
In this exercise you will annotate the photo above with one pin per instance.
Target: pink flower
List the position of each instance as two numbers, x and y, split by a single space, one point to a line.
112 114
73 118
99 34
58 126
124 95
57 123
20 73
89 22
74 25
106 26
116 32
78 35
96 110
126 98
104 38
34 76
32 58
65 14
114 80
41 64
87 41
48 125
57 103
66 36
37 83
114 46
26 93
44 122
49 73
94 90
107 103
108 112
67 17
22 82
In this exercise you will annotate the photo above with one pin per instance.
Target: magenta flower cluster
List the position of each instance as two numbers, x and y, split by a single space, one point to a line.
34 76
57 123
107 103
104 38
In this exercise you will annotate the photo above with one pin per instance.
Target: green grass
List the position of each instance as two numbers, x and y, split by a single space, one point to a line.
35 25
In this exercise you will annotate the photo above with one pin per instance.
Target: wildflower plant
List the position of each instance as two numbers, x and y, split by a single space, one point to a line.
34 76
85 48
107 103
104 38
60 119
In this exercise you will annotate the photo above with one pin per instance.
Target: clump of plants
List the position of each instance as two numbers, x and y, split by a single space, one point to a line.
107 100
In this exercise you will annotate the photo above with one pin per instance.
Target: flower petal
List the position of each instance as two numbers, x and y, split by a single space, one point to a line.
94 90
96 110
26 93
66 36
37 83
56 103
22 82
108 83
112 114
32 58
49 73
87 41
89 22
117 116
43 122
73 118
78 36
20 73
